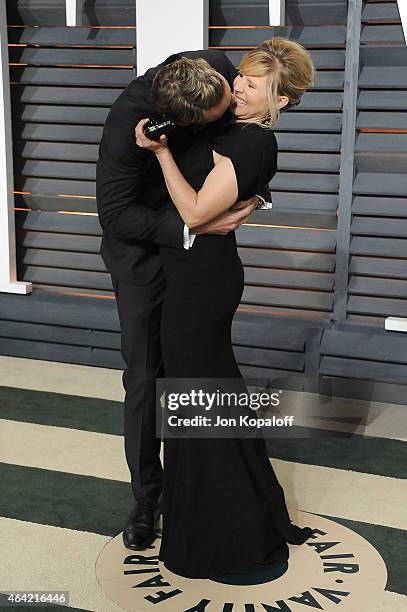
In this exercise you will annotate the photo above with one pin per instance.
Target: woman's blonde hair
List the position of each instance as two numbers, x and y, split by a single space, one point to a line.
289 67
186 88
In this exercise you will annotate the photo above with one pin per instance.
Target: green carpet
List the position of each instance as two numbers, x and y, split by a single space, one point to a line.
88 504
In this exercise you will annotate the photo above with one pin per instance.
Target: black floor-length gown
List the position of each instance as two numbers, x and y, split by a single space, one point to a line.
224 510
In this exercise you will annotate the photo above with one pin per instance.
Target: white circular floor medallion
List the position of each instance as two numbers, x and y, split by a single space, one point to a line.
336 569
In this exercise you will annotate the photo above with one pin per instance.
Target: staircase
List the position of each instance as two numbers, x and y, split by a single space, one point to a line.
320 276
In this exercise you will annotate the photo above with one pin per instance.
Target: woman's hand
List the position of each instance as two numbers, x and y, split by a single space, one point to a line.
155 146
249 204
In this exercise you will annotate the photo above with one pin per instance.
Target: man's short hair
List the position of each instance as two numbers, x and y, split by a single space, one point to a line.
186 88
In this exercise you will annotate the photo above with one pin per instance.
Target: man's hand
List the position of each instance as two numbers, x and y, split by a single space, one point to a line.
230 220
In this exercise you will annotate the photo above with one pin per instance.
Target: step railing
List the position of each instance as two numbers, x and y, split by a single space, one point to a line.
8 282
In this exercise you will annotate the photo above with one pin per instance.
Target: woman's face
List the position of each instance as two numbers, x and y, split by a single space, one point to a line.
250 92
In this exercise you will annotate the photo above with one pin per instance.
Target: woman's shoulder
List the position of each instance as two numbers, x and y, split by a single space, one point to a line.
248 133
258 132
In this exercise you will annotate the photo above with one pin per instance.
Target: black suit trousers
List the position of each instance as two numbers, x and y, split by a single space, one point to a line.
139 308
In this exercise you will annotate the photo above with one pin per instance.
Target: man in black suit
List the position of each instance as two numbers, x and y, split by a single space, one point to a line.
137 217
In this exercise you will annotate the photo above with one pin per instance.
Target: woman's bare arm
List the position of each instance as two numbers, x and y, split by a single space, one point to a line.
218 193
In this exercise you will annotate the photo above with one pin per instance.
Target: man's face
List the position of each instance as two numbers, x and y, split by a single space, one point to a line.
216 112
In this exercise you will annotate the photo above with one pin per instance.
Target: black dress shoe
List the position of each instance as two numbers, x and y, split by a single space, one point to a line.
139 531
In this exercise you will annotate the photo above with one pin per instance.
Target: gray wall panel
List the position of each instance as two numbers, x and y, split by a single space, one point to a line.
54 203
90 96
378 247
329 35
52 12
52 36
284 330
57 132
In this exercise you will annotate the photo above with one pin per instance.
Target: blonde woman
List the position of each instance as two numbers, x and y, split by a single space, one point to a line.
224 511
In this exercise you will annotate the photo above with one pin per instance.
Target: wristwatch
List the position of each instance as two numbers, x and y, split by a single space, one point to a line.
263 204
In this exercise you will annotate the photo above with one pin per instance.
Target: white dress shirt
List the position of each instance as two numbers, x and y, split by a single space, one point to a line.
189 237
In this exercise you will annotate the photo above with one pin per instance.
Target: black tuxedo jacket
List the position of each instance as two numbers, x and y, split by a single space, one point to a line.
135 211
